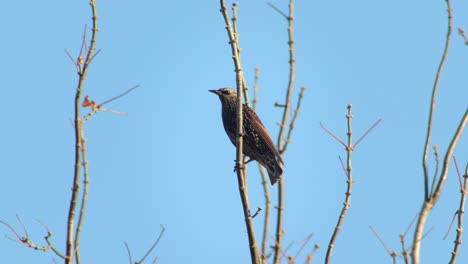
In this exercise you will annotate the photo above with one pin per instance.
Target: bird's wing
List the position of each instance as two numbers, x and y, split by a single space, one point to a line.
261 130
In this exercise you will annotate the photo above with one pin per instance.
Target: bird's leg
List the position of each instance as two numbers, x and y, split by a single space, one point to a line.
250 159
243 165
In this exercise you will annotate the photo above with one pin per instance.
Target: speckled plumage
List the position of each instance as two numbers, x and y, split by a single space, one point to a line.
257 143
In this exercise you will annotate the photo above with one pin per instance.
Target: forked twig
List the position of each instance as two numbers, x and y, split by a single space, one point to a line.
348 172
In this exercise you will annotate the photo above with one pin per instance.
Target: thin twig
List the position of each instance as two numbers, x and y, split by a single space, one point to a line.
255 86
277 10
411 224
392 253
47 239
22 225
154 244
404 252
303 244
236 35
120 95
73 60
333 135
266 190
367 132
293 120
451 225
281 140
130 261
436 172
343 166
12 230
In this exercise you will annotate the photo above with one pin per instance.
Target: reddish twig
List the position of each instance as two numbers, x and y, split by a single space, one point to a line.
367 132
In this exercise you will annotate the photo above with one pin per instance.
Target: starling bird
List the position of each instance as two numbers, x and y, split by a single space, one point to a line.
257 143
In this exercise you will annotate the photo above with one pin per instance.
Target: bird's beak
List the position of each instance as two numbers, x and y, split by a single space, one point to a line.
214 91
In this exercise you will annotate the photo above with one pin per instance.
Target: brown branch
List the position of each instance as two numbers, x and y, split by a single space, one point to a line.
239 57
429 204
281 141
47 239
433 101
430 199
26 241
349 181
70 247
241 177
461 211
266 190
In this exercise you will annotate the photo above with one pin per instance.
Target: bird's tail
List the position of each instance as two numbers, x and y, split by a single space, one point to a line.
274 171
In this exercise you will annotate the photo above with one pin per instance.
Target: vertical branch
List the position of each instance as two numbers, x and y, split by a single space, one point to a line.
281 141
292 76
236 36
78 139
266 190
239 160
433 101
347 203
430 199
461 212
84 199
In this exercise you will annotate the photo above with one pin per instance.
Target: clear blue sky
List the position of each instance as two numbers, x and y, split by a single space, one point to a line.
169 161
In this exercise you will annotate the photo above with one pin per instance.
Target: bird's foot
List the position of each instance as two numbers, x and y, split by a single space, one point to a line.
241 166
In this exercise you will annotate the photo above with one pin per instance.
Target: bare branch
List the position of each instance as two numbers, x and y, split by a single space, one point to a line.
240 166
460 212
349 181
433 102
71 249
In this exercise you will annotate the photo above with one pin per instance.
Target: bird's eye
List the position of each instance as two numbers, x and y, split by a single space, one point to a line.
225 91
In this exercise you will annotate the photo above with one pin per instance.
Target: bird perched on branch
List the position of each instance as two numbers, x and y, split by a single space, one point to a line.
257 143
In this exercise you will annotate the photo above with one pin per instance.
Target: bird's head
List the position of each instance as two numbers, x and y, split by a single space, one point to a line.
225 94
